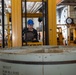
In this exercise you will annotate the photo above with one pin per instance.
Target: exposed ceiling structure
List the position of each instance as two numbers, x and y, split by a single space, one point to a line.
31 7
7 6
68 2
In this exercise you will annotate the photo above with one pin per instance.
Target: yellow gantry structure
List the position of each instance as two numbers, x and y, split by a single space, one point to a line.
52 22
17 22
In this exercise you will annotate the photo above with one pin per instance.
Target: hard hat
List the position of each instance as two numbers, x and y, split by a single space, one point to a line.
30 22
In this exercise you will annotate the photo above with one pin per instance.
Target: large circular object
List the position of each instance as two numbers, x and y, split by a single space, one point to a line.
39 60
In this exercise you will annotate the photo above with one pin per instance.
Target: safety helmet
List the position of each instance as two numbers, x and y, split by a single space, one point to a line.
30 22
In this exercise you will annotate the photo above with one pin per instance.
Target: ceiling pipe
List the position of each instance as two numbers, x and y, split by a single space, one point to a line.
33 7
37 5
36 9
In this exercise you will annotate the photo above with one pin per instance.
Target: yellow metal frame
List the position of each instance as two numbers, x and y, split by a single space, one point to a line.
33 15
33 43
0 44
16 22
8 31
60 37
52 22
33 0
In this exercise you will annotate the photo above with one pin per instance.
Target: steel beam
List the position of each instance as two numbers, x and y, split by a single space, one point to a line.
52 22
33 0
33 15
16 23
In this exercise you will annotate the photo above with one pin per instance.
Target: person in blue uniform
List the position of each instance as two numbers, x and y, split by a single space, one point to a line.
29 34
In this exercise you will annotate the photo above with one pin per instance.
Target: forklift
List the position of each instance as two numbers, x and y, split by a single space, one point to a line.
49 22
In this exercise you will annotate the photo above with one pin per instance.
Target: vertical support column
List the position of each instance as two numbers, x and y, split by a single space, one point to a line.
8 31
52 22
3 42
74 34
16 24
